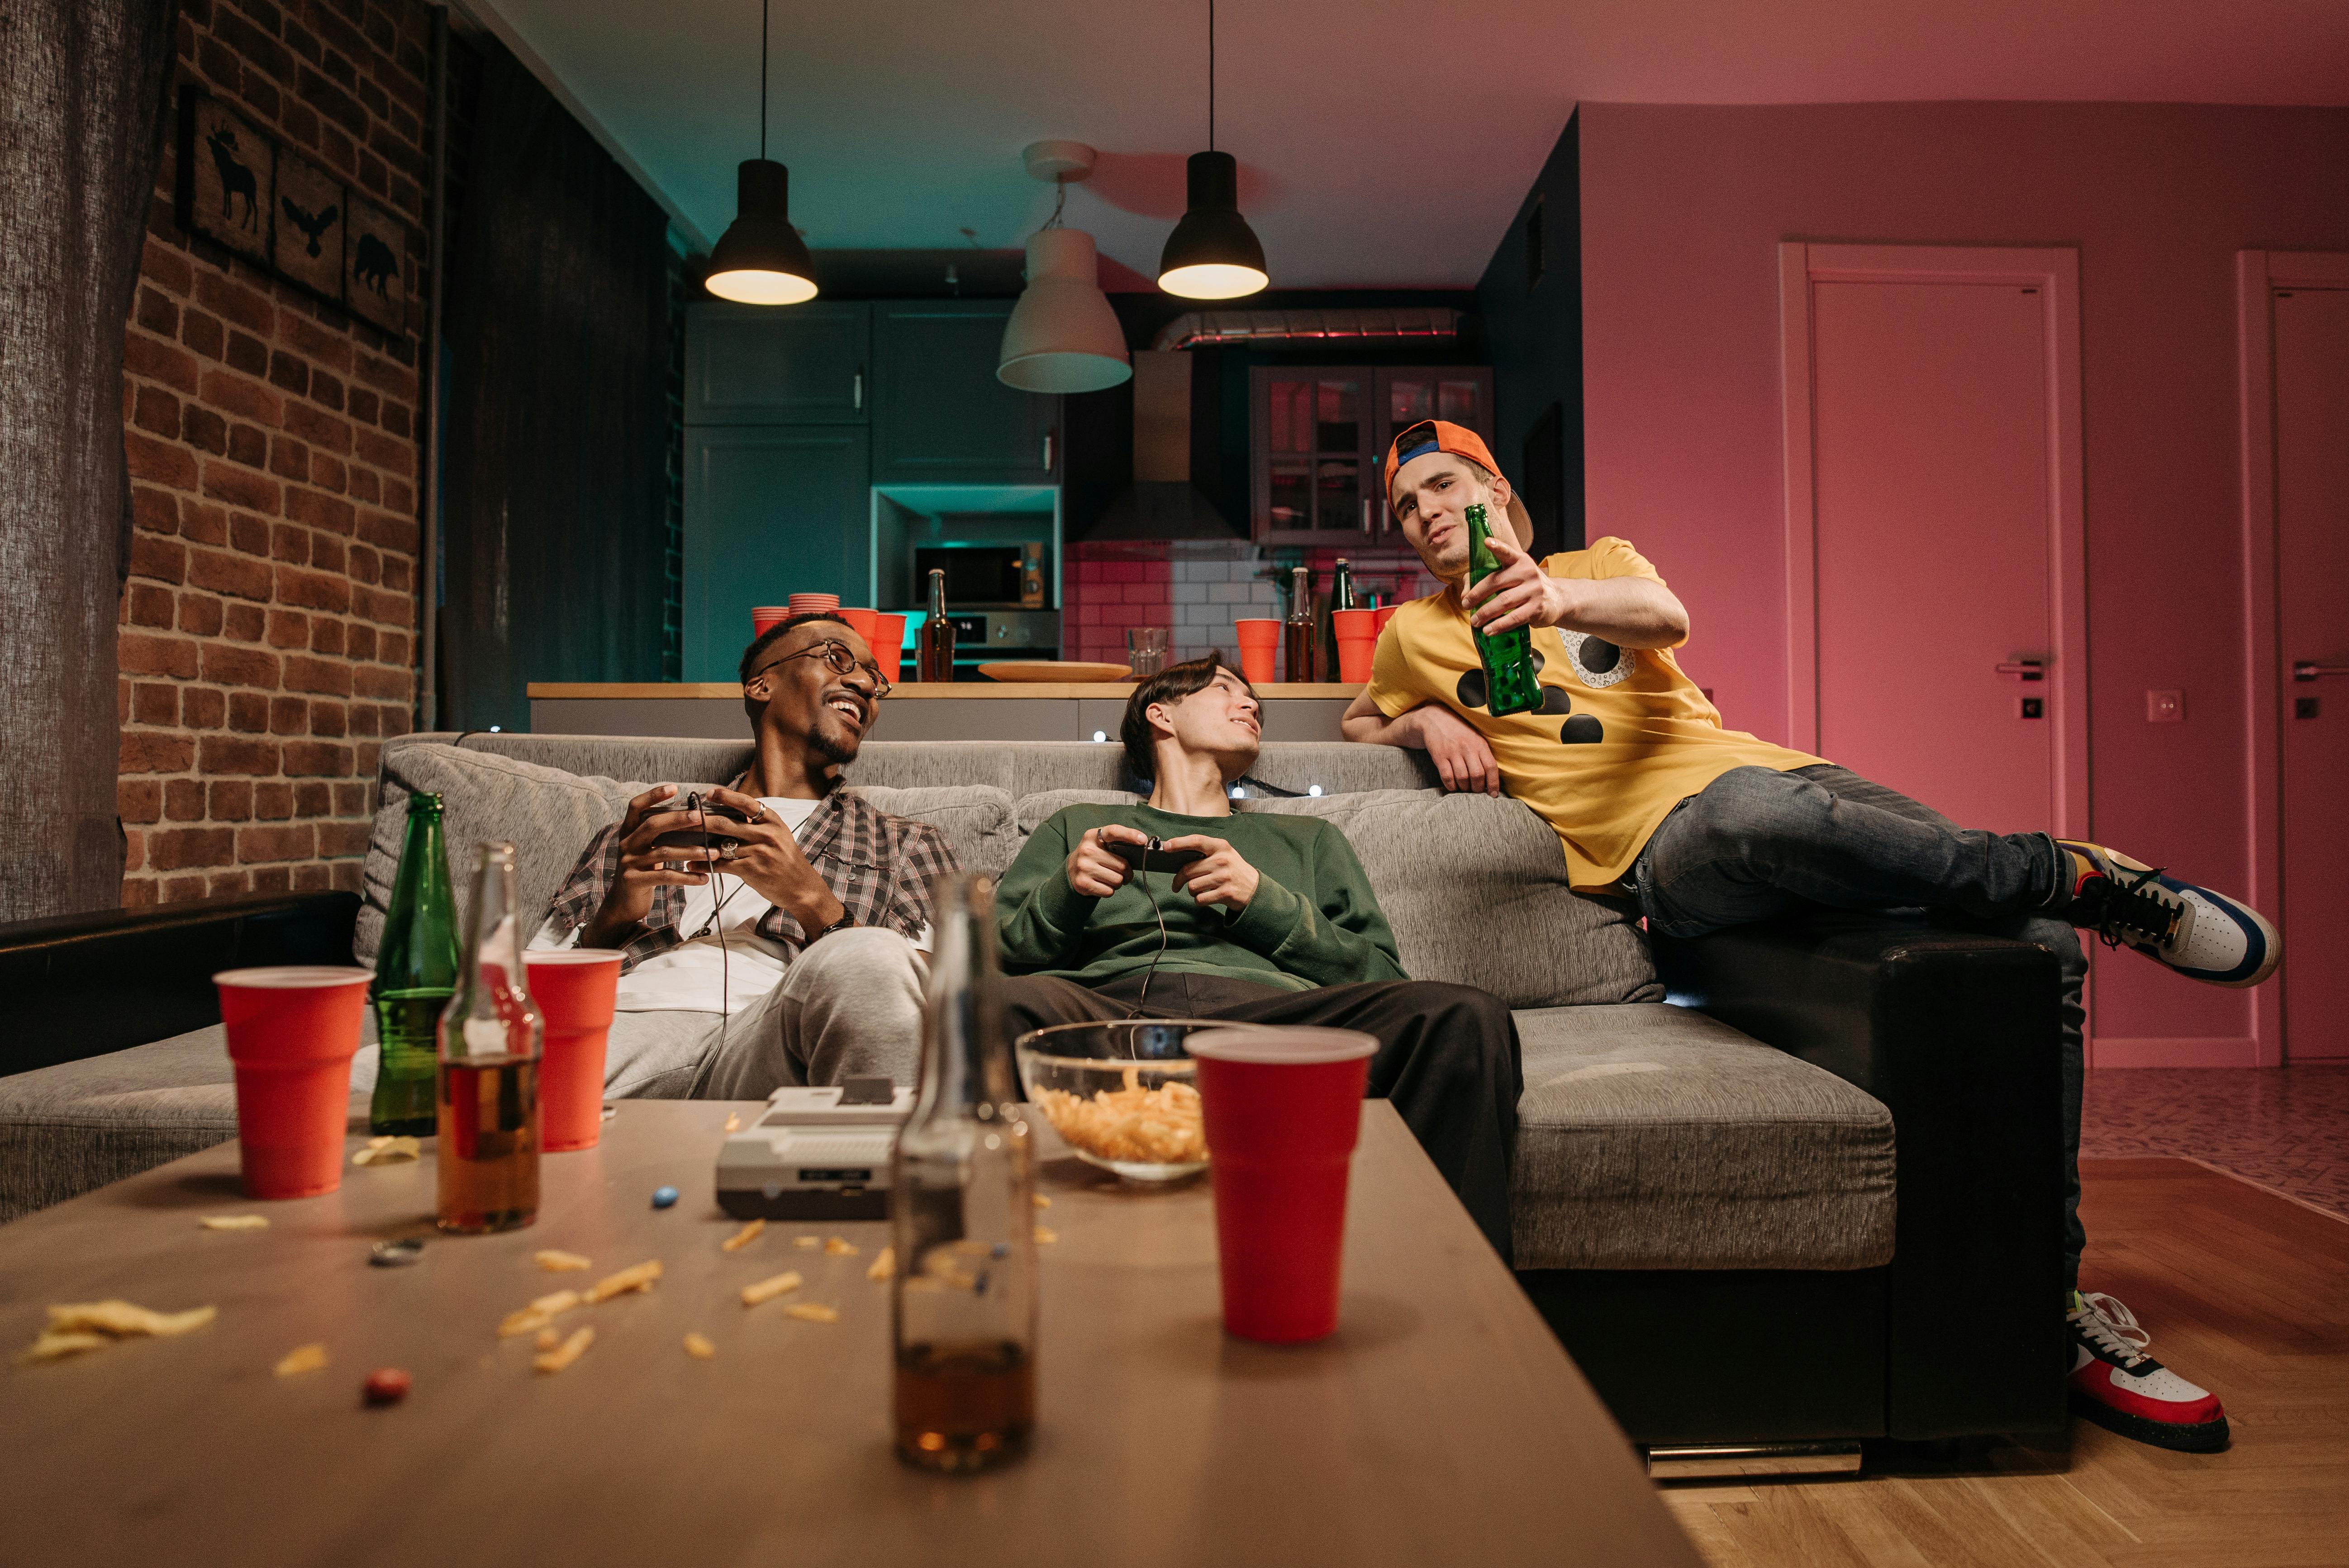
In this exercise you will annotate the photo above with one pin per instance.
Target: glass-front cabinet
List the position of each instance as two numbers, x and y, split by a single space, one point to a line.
1318 435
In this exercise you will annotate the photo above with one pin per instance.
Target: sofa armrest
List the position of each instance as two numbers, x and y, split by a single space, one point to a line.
1959 1036
83 985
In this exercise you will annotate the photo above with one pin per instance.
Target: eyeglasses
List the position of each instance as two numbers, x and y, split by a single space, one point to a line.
842 661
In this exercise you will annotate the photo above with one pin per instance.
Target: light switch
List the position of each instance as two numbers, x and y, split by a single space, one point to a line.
2165 708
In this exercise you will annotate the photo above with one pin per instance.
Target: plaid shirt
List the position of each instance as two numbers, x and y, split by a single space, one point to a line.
878 866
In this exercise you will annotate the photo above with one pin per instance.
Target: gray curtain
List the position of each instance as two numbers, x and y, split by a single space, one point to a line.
81 118
557 475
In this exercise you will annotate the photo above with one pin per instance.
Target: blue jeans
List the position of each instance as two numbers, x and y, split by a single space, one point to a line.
1757 842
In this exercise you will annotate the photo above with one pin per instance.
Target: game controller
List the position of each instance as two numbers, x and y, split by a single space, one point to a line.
696 838
1153 856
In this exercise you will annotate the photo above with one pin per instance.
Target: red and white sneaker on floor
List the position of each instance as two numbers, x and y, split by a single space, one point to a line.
2121 1389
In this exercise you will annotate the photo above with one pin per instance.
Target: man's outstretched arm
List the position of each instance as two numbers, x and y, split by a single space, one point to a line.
1461 756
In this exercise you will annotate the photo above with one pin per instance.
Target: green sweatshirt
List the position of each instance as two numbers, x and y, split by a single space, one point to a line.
1313 921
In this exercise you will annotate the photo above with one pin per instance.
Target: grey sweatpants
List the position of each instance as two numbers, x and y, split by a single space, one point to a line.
848 1007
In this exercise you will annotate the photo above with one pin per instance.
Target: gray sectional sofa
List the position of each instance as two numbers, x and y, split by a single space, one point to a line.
1720 1229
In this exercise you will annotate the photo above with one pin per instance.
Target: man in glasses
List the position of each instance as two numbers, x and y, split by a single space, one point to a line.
787 945
1705 827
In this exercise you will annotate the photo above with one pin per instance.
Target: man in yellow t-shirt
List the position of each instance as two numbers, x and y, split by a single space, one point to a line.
1704 827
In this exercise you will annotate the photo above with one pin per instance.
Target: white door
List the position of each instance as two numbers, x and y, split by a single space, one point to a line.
2310 329
1932 432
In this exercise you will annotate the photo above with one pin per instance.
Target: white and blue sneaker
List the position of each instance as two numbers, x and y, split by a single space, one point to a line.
2198 932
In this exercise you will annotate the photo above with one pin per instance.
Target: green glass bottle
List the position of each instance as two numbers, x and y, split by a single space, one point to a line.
414 975
1510 684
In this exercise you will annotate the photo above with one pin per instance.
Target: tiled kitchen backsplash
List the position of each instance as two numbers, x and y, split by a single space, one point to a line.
1197 588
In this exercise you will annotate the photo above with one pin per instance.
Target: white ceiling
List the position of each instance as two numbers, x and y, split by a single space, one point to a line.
1381 142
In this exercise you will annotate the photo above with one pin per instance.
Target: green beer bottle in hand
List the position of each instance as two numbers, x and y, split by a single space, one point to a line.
1510 684
414 975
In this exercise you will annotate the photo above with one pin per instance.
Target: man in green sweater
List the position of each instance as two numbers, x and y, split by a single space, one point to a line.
1273 924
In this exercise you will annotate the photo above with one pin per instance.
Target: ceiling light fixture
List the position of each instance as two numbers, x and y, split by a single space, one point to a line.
1212 253
760 259
1063 335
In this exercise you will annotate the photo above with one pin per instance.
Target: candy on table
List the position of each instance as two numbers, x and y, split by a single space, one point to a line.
664 1197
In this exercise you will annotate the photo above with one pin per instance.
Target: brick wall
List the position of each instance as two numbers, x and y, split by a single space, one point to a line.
1196 589
266 641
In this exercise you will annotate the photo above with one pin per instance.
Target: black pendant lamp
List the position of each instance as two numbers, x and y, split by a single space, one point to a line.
1212 253
760 259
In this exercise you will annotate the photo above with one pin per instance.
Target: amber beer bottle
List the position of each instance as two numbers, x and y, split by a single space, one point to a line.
934 649
1297 635
1510 684
491 1037
414 975
963 1301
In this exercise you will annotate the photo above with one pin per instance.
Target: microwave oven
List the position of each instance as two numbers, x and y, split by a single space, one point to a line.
1008 576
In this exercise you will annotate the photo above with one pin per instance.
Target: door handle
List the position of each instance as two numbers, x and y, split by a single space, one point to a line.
2025 669
2308 670
1366 517
856 391
1048 452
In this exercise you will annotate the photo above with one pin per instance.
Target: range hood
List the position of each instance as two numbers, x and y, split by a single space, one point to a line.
1162 502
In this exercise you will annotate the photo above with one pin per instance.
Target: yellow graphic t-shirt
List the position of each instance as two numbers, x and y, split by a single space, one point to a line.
1620 738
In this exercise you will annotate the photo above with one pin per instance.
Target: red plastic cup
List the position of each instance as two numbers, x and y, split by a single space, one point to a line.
1260 642
573 987
1384 612
802 603
765 616
1283 1108
292 1032
861 622
888 640
1357 640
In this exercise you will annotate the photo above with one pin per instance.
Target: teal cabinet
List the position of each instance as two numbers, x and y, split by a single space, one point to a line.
770 511
942 418
797 365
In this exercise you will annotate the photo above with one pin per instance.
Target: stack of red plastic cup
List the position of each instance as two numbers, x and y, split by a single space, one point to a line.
888 642
574 988
1259 643
1283 1108
765 616
806 603
292 1032
1357 640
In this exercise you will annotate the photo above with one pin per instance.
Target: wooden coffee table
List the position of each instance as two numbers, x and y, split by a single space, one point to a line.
1442 1423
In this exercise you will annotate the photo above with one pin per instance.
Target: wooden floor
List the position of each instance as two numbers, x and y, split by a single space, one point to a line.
2246 1293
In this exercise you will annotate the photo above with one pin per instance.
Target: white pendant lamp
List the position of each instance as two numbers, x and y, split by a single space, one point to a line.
760 259
1063 335
1212 253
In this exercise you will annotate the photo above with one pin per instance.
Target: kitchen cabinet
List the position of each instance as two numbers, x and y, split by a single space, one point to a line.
764 365
770 511
942 418
1318 437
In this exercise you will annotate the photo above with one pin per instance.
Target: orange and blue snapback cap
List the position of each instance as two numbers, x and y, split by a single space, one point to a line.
1443 436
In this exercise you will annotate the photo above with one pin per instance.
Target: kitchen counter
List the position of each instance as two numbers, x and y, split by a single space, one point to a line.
915 710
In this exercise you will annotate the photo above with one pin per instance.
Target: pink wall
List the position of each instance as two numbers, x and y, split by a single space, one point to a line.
1682 209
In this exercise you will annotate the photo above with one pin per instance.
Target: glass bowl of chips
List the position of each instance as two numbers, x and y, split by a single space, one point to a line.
1120 1095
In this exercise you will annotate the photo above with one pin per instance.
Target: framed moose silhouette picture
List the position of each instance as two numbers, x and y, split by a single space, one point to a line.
228 176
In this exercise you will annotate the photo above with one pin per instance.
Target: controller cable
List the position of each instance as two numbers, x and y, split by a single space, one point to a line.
1141 876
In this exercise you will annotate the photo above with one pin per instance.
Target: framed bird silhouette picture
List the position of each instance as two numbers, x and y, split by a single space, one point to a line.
375 272
227 186
311 218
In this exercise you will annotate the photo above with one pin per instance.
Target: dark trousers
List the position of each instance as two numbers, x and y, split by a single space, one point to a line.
1448 1057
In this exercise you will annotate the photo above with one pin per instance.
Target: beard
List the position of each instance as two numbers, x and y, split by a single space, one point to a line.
836 751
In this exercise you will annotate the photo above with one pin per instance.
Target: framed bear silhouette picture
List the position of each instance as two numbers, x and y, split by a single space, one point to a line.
310 223
375 269
227 176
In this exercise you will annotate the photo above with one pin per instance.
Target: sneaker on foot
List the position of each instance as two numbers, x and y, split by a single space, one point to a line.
2121 1389
2200 933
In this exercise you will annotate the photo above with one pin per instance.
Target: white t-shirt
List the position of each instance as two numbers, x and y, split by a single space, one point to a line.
727 950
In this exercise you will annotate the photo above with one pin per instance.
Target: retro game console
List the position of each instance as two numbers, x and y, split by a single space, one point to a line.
815 1153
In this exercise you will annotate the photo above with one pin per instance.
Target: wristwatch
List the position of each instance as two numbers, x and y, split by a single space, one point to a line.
843 924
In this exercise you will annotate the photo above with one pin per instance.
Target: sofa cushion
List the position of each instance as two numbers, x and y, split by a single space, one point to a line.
1475 889
1652 1137
79 1125
975 818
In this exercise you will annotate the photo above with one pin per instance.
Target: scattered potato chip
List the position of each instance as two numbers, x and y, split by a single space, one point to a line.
733 1121
698 1346
557 1261
538 1313
884 1266
743 1237
640 1277
234 1221
840 1247
1042 1202
563 1354
768 1289
1046 1236
810 1312
547 1339
300 1359
388 1152
121 1318
808 1243
1162 1126
53 1346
